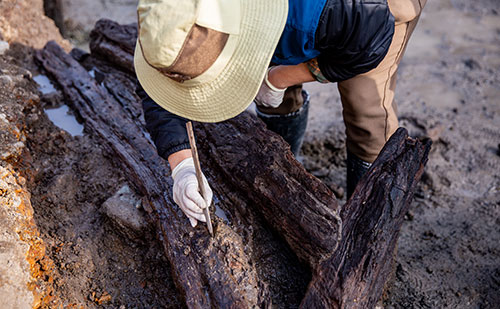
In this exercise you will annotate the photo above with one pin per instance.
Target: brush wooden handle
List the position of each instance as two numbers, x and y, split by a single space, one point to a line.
199 175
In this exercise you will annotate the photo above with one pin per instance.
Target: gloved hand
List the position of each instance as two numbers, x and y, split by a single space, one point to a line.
186 193
269 95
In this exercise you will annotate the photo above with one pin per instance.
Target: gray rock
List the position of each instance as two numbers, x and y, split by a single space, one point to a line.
79 16
125 212
4 46
6 82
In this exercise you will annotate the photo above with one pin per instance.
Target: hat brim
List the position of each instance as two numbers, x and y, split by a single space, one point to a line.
232 91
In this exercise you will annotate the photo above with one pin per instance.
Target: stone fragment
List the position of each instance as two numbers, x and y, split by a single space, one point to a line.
6 82
25 270
4 46
14 269
124 211
105 298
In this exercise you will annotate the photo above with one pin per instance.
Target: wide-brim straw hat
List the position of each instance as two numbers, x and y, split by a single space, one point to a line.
205 60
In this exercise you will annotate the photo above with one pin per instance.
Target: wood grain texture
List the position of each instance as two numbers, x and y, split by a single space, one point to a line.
355 274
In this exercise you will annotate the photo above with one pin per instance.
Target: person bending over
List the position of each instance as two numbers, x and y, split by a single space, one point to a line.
207 60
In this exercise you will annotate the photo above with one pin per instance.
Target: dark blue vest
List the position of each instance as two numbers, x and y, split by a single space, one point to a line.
296 44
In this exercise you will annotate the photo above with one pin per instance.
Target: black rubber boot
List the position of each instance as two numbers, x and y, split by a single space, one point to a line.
356 168
291 127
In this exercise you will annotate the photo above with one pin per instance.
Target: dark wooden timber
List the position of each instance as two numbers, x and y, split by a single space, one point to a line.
260 167
115 43
349 248
355 274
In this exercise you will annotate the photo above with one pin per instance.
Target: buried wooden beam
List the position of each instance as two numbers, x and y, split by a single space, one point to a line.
355 274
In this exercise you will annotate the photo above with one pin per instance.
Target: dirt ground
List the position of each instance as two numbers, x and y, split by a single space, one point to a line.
449 247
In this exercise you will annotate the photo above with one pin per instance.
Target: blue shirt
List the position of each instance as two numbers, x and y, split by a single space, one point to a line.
296 44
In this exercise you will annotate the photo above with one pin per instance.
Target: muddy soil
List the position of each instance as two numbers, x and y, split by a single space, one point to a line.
448 89
96 263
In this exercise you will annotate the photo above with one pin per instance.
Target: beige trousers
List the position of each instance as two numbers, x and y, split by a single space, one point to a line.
370 114
369 111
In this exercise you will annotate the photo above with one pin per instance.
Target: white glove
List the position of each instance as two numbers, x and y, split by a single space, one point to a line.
186 193
268 95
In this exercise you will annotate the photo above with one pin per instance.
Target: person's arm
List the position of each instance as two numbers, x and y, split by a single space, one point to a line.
179 156
278 79
284 76
168 132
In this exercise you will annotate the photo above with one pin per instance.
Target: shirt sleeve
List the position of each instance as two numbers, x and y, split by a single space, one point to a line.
313 67
353 37
167 130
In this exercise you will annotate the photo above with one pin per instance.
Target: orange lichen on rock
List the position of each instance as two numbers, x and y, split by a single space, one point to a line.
105 297
74 306
16 203
26 271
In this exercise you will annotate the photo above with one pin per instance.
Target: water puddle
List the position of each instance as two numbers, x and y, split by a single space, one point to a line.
59 116
44 84
63 119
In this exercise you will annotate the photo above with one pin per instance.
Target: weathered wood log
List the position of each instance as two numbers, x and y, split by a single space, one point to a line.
115 43
260 167
355 274
250 167
352 275
208 272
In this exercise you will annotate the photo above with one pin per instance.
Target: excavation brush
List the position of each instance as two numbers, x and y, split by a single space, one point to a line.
199 175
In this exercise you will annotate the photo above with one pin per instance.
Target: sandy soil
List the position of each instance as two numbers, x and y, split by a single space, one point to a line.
449 248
